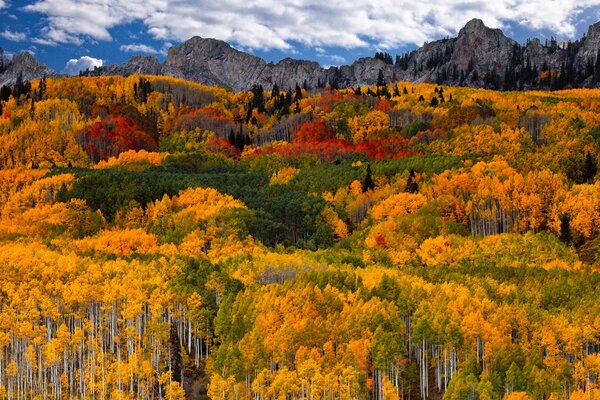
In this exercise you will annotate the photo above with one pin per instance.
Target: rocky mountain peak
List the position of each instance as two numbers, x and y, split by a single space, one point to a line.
589 48
478 56
26 66
474 26
482 48
594 30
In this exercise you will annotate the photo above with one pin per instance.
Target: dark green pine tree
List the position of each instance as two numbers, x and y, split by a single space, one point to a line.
411 183
176 362
590 168
565 229
368 183
298 93
42 88
380 78
231 137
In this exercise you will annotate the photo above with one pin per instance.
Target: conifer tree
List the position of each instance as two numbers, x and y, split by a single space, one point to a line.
368 183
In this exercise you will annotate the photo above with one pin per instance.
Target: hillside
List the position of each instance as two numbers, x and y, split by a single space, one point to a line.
160 238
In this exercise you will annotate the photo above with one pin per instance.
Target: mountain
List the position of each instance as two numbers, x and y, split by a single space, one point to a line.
23 64
478 57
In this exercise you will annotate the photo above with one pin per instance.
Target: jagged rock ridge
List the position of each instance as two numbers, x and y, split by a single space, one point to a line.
479 56
24 65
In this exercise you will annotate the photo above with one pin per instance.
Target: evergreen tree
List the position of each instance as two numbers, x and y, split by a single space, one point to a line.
175 359
565 229
411 183
258 98
42 88
368 183
298 93
380 78
231 137
275 92
590 168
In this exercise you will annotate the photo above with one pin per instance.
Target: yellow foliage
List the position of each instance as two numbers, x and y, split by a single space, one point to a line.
283 176
373 125
398 204
340 230
517 396
120 242
445 250
134 160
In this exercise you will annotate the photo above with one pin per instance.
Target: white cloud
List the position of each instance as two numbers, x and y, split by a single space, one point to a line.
279 24
139 48
76 65
14 36
2 4
337 59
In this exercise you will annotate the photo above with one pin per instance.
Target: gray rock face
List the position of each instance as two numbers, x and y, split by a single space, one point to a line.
589 47
26 66
213 62
148 65
487 50
478 56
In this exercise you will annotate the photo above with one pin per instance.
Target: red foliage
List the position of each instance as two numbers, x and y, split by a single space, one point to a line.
328 150
427 136
219 145
112 136
383 105
381 242
336 149
314 131
211 112
327 101
380 149
205 118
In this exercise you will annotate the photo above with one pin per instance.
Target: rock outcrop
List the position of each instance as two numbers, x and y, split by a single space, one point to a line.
479 56
23 65
148 65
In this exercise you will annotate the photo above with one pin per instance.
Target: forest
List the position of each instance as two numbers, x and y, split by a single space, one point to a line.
161 239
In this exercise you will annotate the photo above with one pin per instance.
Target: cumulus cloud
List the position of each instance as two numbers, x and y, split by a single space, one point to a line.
76 65
2 4
270 24
14 36
139 48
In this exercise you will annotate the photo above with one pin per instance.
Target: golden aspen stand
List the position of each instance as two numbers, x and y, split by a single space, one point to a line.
239 254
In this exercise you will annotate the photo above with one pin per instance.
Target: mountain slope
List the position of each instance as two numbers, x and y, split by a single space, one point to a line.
23 64
478 57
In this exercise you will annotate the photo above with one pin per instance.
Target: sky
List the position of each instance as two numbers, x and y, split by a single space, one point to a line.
71 35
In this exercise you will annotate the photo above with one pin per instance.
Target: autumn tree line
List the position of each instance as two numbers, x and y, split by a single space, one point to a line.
161 239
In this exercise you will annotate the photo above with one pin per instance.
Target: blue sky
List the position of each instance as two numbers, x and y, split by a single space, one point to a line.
333 32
